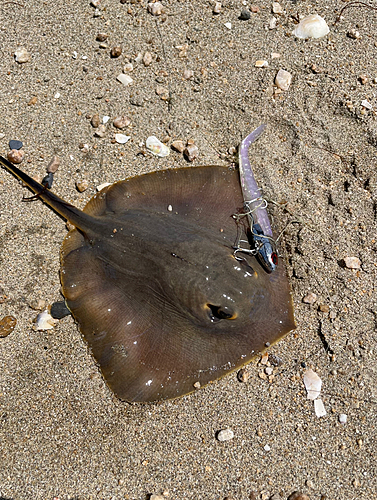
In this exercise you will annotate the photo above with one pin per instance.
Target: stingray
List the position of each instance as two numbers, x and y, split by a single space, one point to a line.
151 276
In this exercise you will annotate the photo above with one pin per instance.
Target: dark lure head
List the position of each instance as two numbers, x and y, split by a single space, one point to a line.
265 248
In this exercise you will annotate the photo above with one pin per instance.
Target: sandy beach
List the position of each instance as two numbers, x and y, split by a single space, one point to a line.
63 434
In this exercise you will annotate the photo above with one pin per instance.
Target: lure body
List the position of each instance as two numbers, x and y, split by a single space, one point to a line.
263 244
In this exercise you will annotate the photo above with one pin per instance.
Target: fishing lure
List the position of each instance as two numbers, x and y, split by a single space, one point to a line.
263 246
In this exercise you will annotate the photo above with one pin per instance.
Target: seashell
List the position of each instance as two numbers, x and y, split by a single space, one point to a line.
122 139
102 186
261 63
125 79
313 26
319 408
283 79
45 321
157 147
312 384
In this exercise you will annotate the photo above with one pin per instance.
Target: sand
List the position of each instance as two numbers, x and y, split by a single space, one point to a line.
63 433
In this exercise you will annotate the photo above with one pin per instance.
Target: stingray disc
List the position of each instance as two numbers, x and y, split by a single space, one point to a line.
152 281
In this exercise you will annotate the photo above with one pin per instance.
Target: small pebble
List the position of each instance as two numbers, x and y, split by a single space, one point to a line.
170 208
178 146
37 304
156 9
7 325
254 9
147 59
342 418
267 448
53 166
115 52
191 152
95 121
102 186
310 298
245 15
217 8
225 435
275 360
277 8
84 147
197 385
324 308
14 144
283 79
297 495
101 37
269 370
100 131
82 185
15 156
228 25
22 55
187 74
156 497
121 122
354 34
243 375
105 119
2 136
122 139
125 79
95 3
352 262
128 67
363 79
264 359
261 63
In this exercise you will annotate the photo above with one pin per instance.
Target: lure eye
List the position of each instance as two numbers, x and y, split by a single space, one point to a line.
274 259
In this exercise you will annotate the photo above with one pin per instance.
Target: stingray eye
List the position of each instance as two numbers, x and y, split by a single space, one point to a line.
274 258
216 313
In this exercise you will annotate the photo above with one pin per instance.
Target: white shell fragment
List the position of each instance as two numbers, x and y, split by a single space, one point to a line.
319 408
312 384
22 55
313 26
261 63
283 79
225 435
122 139
366 104
342 418
102 186
45 321
125 79
157 147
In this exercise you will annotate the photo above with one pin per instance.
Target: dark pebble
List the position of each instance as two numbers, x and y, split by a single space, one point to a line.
48 180
59 310
245 15
15 144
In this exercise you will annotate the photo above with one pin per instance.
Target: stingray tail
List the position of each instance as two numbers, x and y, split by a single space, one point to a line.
75 216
